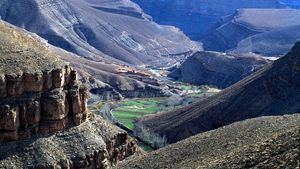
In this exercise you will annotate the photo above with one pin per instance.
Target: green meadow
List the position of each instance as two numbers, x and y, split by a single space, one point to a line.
129 110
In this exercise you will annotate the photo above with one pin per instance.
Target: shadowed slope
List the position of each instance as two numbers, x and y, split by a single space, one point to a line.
266 142
197 17
269 32
218 69
273 90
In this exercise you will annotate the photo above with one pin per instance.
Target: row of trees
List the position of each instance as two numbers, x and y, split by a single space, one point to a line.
153 139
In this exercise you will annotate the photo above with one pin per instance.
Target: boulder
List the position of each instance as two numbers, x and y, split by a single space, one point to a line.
67 75
84 97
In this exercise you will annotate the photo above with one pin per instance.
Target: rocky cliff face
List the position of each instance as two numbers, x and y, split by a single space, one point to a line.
101 33
273 90
256 31
111 31
39 93
94 144
45 103
217 69
44 120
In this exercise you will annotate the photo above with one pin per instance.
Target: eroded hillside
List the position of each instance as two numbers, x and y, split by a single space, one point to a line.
111 31
266 142
273 90
44 120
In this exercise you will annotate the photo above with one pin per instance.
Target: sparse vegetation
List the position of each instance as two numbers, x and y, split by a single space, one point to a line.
151 138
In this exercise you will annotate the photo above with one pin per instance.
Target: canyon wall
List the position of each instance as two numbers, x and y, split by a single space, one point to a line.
40 102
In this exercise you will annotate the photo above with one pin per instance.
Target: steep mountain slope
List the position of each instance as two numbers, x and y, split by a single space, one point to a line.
269 32
266 142
107 79
218 69
197 20
44 120
99 30
112 80
272 90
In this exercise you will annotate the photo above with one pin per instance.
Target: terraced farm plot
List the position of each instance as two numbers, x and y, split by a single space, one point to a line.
133 109
130 110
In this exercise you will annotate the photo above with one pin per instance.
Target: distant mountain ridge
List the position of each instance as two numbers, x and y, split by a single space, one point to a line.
268 32
225 25
216 69
197 20
273 90
113 31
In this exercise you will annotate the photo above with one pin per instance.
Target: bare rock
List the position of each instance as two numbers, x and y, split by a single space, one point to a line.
76 106
53 105
47 76
2 86
33 113
14 85
58 78
9 118
23 117
33 82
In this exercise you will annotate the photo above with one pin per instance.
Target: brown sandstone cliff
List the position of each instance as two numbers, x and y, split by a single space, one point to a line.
44 120
44 102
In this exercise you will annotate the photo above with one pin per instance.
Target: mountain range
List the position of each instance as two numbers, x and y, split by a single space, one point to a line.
197 20
252 31
100 39
111 31
44 118
265 27
272 90
63 62
216 69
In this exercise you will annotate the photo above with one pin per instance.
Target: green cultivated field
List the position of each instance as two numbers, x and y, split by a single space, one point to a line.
130 110
127 111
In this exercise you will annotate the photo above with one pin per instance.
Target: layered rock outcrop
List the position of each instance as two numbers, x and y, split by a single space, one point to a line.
94 144
42 102
43 111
